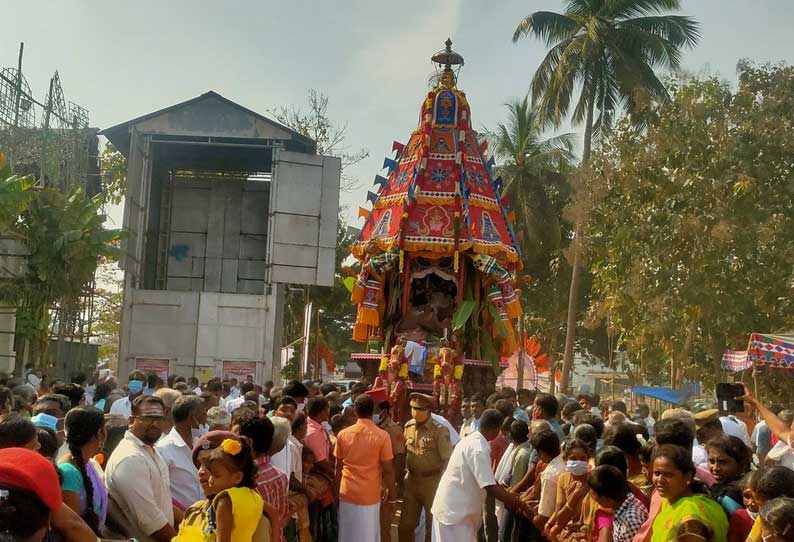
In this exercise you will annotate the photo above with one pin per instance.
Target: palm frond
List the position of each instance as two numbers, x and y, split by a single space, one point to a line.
590 84
556 92
584 8
548 26
645 47
639 85
602 53
623 9
548 66
678 31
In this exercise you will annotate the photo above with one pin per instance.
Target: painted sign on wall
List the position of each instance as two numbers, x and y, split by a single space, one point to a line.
157 366
239 369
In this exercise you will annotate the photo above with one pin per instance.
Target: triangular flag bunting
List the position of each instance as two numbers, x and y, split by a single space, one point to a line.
498 184
380 181
363 213
372 196
390 164
397 146
511 217
490 163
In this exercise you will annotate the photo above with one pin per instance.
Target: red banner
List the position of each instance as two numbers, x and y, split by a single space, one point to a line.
239 369
157 366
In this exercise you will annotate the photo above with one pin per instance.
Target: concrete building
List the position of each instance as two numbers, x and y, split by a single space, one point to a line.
223 208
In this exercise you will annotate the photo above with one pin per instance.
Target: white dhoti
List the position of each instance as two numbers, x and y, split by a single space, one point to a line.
465 531
359 523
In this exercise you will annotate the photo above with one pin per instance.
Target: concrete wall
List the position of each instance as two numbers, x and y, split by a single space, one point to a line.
218 236
201 330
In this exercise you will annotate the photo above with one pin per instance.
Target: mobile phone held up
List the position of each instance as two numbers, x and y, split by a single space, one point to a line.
726 394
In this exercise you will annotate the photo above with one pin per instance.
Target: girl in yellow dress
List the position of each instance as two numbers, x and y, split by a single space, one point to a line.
235 509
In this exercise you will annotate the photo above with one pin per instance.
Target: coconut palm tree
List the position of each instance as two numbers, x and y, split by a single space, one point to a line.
534 170
604 52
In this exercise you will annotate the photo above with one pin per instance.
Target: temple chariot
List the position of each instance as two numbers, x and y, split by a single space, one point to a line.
435 295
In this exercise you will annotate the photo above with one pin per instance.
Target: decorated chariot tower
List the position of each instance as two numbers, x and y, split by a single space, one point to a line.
436 303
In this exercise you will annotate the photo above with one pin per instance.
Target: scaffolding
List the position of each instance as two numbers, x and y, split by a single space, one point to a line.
50 139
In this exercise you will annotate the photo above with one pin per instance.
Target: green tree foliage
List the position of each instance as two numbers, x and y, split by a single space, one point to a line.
337 313
113 168
65 238
15 195
690 223
534 170
108 300
537 172
606 52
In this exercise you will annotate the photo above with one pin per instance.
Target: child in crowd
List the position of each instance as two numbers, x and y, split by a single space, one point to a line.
646 451
729 461
571 489
740 522
236 508
777 520
770 483
317 486
610 490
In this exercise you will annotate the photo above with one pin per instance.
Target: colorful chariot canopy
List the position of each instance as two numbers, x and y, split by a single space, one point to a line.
440 197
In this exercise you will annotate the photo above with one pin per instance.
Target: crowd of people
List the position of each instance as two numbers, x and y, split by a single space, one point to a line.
230 461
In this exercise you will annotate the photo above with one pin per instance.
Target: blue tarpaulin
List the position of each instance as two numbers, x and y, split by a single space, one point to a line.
669 395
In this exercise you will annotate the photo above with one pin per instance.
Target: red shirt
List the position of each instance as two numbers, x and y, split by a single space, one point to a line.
272 485
498 448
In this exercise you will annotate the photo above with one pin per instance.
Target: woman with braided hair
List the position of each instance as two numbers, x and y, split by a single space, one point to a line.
83 486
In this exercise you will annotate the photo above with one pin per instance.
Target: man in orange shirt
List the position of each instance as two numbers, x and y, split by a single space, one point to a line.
363 462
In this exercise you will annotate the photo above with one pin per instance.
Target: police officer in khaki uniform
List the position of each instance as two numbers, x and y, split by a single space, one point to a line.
427 450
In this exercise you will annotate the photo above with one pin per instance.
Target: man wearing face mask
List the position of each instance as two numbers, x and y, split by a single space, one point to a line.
137 477
176 448
427 450
123 407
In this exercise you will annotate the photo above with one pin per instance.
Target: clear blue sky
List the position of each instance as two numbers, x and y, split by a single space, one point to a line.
122 59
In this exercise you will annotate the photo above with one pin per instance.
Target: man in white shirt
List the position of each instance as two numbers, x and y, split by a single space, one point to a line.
193 384
644 413
460 497
735 427
235 403
234 391
477 408
135 385
454 437
137 477
547 444
176 448
286 408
